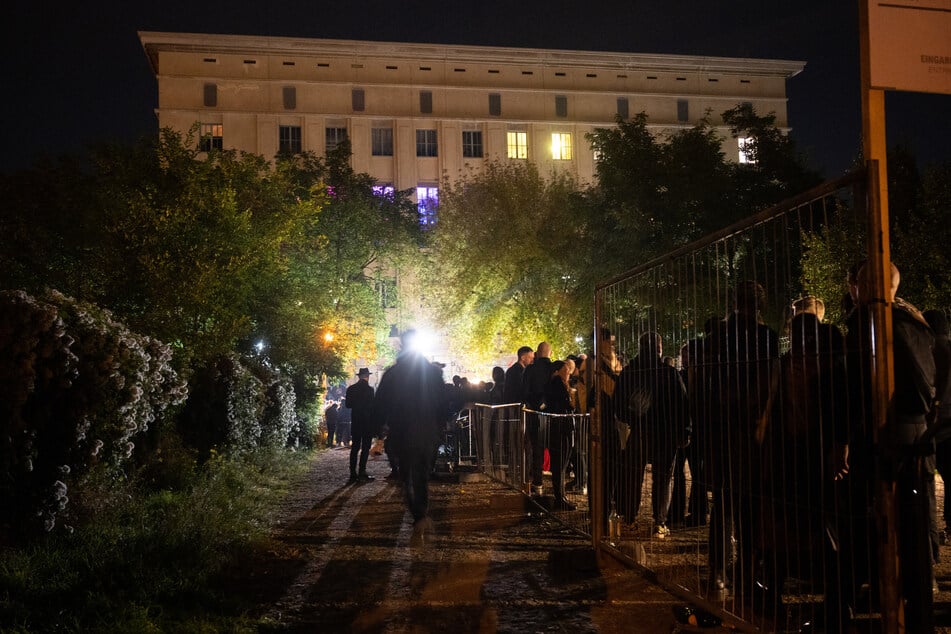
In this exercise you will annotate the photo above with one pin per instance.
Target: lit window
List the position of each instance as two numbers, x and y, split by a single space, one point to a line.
334 137
289 139
211 137
385 191
427 200
382 141
747 150
561 146
517 143
472 143
426 143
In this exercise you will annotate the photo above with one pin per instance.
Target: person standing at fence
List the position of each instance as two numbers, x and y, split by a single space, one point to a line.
693 373
330 421
807 418
558 404
615 486
359 401
343 423
536 377
412 401
576 460
904 454
513 391
651 398
747 354
498 386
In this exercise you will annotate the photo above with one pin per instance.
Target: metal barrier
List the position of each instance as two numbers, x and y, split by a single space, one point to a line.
509 438
715 474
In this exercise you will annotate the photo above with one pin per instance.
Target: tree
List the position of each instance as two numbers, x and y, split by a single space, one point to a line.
212 253
775 169
503 262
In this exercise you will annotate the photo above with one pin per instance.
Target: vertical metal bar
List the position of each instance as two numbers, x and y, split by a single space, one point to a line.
596 458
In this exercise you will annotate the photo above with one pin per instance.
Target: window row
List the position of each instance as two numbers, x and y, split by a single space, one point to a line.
358 102
381 141
290 141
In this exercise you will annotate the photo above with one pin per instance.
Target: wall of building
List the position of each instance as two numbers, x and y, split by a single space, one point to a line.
251 74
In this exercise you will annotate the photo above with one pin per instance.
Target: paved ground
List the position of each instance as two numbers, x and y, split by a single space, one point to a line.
344 564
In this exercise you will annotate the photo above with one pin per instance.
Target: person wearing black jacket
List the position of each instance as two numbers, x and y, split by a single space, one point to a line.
359 401
901 453
512 385
536 377
651 398
560 427
412 401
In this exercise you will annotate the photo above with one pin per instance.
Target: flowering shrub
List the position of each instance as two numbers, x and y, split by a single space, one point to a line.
81 387
279 419
238 405
224 409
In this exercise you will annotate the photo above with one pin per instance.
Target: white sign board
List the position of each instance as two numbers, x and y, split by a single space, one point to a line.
910 45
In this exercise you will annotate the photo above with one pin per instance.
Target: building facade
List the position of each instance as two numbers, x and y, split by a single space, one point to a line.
417 114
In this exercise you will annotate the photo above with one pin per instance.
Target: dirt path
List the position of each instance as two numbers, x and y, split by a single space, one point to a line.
343 563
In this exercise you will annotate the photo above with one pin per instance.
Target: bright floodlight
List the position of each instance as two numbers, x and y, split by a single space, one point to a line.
422 342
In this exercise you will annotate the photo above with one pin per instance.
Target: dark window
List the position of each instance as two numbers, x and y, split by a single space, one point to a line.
425 102
382 141
289 139
472 143
623 108
211 95
561 106
683 110
495 105
426 143
357 99
211 137
290 97
334 137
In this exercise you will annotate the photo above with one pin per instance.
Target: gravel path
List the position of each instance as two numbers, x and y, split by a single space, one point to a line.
343 563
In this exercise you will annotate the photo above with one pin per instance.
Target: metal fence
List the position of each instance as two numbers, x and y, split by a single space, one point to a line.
724 399
509 438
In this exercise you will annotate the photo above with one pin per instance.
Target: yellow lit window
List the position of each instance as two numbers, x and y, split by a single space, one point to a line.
747 150
561 146
517 145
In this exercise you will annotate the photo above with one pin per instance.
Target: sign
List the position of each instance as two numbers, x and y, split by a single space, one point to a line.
910 45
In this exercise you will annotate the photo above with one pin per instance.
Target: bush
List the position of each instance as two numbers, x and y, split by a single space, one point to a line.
279 419
152 561
81 386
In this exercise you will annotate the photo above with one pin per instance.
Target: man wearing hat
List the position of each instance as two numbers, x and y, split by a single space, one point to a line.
360 401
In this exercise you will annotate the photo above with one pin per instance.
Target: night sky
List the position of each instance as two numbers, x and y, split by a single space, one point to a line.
76 73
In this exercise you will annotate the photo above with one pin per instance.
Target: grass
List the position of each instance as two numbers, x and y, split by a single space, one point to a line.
150 562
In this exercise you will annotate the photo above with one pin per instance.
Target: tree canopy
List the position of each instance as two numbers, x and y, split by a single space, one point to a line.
212 253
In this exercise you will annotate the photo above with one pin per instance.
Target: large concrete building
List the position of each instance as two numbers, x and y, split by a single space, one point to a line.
416 114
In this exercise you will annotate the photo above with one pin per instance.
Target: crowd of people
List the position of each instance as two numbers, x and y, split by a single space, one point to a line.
779 432
785 447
